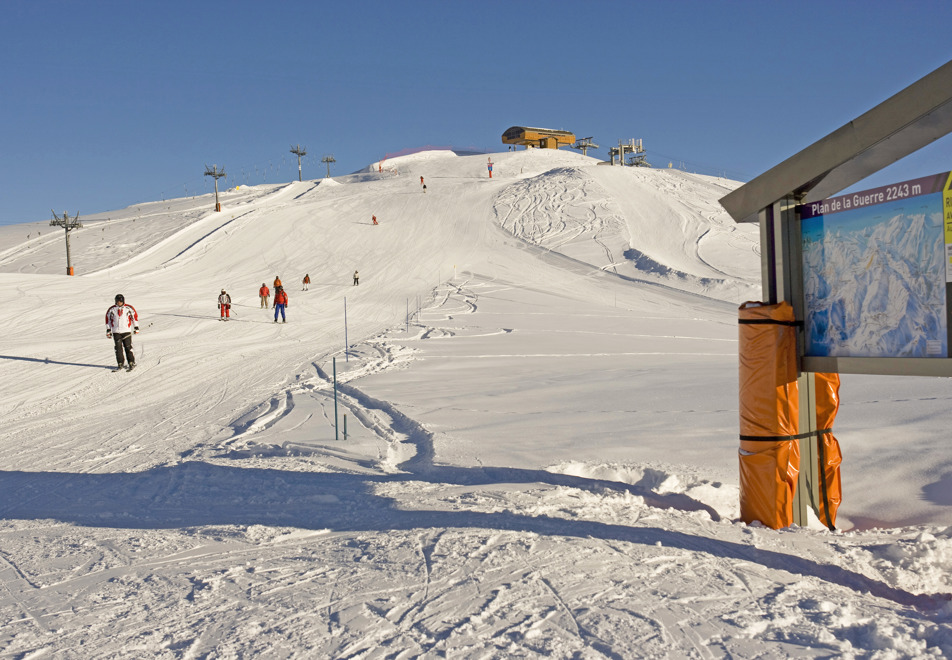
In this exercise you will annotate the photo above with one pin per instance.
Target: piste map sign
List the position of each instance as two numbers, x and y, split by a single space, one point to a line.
877 268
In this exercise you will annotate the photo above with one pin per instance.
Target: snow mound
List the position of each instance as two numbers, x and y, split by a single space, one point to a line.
721 497
403 161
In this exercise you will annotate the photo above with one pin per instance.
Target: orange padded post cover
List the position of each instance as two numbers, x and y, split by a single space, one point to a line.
769 413
828 448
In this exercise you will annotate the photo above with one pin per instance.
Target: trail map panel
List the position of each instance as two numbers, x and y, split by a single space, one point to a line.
876 269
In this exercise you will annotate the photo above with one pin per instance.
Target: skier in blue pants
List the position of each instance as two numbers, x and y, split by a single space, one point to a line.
280 303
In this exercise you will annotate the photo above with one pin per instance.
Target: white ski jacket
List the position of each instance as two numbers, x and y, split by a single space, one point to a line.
122 319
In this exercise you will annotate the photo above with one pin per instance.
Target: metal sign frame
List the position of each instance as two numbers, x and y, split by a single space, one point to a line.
911 119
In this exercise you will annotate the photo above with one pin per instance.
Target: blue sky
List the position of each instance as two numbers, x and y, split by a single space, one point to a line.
105 104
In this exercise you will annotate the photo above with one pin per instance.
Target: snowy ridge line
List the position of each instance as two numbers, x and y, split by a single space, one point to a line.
32 245
209 234
308 191
702 259
213 215
588 270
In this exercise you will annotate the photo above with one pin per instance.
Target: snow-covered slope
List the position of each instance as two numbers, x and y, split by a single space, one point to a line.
531 451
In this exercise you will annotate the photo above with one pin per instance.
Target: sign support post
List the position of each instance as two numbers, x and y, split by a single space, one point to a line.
782 281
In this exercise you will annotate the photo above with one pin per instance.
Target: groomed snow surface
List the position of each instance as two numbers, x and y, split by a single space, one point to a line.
540 459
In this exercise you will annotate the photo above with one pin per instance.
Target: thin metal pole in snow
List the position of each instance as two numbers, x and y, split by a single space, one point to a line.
408 316
336 434
346 343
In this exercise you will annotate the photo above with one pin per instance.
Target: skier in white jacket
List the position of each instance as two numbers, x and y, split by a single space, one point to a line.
224 304
122 321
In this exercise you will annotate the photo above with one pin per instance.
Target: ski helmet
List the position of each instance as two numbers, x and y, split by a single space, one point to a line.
120 298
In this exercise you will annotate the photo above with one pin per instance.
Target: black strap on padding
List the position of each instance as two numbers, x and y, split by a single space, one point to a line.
824 490
768 322
780 438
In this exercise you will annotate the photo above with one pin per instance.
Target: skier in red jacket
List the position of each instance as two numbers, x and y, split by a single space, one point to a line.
264 293
280 303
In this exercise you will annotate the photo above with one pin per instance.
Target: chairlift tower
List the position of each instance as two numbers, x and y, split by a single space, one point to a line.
633 147
299 151
328 159
215 173
67 223
584 144
638 157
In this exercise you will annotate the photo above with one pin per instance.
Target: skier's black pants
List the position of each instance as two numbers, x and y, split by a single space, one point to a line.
123 342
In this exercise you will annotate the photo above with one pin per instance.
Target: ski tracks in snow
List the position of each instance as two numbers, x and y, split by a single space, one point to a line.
568 211
407 445
556 210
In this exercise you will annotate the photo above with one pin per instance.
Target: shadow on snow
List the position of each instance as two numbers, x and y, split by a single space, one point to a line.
49 361
196 493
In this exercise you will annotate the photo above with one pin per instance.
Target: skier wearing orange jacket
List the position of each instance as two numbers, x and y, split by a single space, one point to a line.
264 293
280 303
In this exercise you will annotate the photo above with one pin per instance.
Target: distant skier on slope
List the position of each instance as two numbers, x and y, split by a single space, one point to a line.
122 322
264 293
356 278
280 303
307 280
374 218
224 304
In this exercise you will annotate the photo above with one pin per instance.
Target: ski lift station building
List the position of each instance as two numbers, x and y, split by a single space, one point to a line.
543 138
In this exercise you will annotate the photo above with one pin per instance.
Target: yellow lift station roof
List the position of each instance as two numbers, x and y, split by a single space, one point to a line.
544 138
